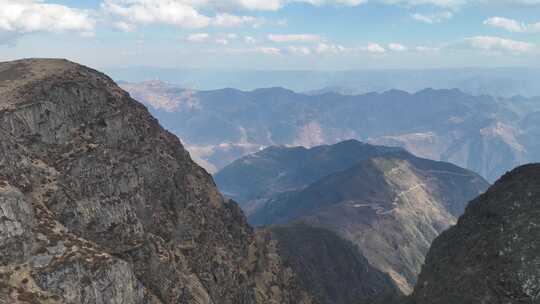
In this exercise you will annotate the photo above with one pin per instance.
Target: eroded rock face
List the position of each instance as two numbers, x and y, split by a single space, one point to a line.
492 254
99 204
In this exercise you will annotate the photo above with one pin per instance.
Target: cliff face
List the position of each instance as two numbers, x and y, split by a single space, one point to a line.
99 204
491 255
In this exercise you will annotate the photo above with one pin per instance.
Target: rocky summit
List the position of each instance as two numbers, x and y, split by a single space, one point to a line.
99 204
491 255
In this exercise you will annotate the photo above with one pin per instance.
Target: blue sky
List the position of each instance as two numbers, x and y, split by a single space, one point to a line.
275 34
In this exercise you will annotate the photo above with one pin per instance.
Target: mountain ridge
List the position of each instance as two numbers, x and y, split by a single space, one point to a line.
494 245
391 205
100 204
486 134
254 179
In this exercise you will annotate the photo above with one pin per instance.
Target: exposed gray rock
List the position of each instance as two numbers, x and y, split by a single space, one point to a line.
101 205
492 254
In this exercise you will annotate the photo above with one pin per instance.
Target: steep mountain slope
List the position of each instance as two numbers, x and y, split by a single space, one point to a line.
331 268
485 134
99 204
392 207
491 255
256 178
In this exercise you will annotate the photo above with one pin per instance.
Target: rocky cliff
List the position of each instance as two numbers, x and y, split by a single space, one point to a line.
99 204
491 255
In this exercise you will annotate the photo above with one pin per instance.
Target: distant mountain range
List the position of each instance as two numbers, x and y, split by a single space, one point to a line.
502 82
486 134
386 201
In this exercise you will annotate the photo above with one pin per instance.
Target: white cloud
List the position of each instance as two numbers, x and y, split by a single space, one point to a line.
335 2
294 38
374 48
268 50
534 27
505 23
323 48
302 51
127 14
28 16
274 5
511 2
250 40
490 43
397 47
426 49
271 51
449 4
433 18
228 20
198 37
123 26
222 41
175 13
512 25
181 13
266 5
452 4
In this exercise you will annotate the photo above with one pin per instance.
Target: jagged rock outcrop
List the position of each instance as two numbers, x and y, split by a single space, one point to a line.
99 204
492 254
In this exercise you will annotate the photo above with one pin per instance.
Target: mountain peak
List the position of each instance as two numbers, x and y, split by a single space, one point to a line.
529 172
96 193
18 78
491 255
35 69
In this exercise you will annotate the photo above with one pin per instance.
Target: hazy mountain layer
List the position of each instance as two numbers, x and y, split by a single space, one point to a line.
491 81
253 180
389 203
485 134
